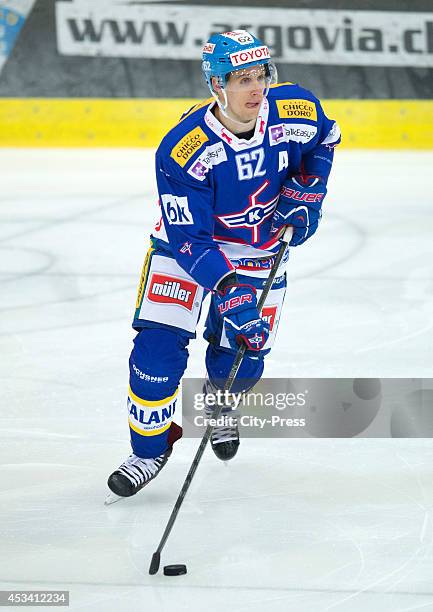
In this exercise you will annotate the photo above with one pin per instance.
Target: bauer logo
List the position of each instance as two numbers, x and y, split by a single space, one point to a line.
189 145
301 196
249 55
164 289
296 109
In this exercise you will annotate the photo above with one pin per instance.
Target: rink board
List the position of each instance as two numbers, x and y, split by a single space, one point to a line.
46 122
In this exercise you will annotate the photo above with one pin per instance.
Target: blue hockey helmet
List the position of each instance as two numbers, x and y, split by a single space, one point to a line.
230 51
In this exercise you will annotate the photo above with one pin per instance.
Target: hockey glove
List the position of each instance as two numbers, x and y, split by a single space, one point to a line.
237 304
300 205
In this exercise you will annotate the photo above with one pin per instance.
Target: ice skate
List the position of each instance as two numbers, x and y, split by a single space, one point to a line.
225 439
225 435
134 474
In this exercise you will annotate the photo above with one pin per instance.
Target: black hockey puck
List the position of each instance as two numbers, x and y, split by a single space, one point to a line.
174 570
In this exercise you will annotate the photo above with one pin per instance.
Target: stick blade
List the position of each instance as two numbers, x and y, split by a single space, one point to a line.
154 564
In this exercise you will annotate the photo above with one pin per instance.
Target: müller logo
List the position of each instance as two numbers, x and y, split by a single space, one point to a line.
164 289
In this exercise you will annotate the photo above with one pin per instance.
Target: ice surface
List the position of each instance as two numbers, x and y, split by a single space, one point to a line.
305 525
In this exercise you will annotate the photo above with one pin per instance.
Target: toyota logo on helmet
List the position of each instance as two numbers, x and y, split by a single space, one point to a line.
230 51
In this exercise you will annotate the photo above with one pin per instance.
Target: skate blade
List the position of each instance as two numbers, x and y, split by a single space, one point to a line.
112 498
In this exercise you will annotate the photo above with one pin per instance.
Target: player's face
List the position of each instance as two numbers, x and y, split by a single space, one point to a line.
245 90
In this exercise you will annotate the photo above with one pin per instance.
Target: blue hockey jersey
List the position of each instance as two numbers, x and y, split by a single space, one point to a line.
218 192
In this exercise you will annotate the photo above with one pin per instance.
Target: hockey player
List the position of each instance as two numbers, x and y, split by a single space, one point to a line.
234 172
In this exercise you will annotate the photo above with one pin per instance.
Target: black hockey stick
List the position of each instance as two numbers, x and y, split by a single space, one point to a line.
156 557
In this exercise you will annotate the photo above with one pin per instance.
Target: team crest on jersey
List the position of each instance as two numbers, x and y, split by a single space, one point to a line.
297 109
165 289
252 216
286 132
190 144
